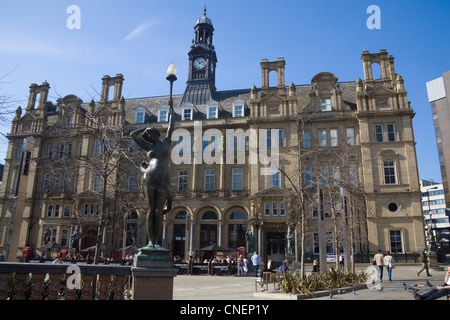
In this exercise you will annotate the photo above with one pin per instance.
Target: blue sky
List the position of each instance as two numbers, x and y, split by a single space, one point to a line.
141 38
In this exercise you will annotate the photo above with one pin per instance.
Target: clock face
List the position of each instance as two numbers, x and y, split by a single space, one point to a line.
199 63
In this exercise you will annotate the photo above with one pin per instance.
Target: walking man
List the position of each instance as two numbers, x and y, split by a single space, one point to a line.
424 258
255 261
378 259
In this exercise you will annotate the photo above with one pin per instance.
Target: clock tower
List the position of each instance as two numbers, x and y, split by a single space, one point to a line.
200 86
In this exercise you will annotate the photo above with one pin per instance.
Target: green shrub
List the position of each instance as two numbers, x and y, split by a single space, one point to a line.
296 283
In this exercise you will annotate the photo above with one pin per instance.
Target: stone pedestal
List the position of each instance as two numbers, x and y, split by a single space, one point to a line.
153 274
290 258
433 262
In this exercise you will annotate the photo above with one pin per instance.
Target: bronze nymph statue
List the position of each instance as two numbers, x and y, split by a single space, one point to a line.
155 178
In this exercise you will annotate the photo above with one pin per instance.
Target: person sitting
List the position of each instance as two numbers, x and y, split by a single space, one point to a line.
58 259
283 268
440 291
267 267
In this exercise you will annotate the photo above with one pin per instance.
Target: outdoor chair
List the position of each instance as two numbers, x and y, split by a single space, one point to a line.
266 278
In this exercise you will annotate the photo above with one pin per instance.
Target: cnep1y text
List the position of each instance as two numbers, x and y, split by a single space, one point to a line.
229 309
246 309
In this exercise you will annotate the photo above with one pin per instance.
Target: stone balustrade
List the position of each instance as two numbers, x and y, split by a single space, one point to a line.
41 281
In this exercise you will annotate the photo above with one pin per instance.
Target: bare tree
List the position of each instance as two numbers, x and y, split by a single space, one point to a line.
110 167
8 104
7 101
297 208
96 177
327 194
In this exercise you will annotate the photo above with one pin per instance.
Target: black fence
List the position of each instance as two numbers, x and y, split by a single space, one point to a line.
221 269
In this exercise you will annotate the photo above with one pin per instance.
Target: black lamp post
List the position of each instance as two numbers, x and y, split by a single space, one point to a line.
432 238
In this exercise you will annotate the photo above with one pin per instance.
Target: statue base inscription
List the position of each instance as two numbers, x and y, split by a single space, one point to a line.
153 274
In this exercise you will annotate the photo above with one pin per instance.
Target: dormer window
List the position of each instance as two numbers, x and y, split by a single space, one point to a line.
163 114
139 117
325 104
188 111
213 109
238 108
213 112
69 122
238 111
140 114
188 114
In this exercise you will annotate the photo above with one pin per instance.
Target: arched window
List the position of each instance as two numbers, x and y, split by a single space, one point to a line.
179 233
208 231
237 229
209 215
238 215
181 215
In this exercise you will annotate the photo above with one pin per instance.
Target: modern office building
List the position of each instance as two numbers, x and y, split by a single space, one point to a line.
436 214
437 90
241 159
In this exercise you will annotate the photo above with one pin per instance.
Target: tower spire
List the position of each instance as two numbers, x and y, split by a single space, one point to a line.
202 64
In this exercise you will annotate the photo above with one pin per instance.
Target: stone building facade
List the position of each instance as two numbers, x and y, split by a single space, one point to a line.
239 160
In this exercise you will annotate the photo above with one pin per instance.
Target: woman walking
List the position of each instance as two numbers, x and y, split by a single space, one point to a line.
389 263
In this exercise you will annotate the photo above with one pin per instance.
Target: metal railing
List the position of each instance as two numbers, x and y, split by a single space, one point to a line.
41 281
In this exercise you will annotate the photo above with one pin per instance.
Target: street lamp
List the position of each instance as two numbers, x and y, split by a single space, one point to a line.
171 77
432 239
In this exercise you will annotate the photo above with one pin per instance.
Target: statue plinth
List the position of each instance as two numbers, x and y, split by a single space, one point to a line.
433 261
153 274
290 258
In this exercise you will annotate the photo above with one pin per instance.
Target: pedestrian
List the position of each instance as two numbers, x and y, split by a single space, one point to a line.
196 256
440 291
378 261
240 266
191 262
58 259
255 261
424 260
389 263
341 260
283 268
316 267
245 267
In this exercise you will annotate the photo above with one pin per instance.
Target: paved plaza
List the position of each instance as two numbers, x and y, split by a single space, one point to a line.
204 287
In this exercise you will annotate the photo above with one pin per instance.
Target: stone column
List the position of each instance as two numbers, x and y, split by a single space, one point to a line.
260 240
153 274
220 233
